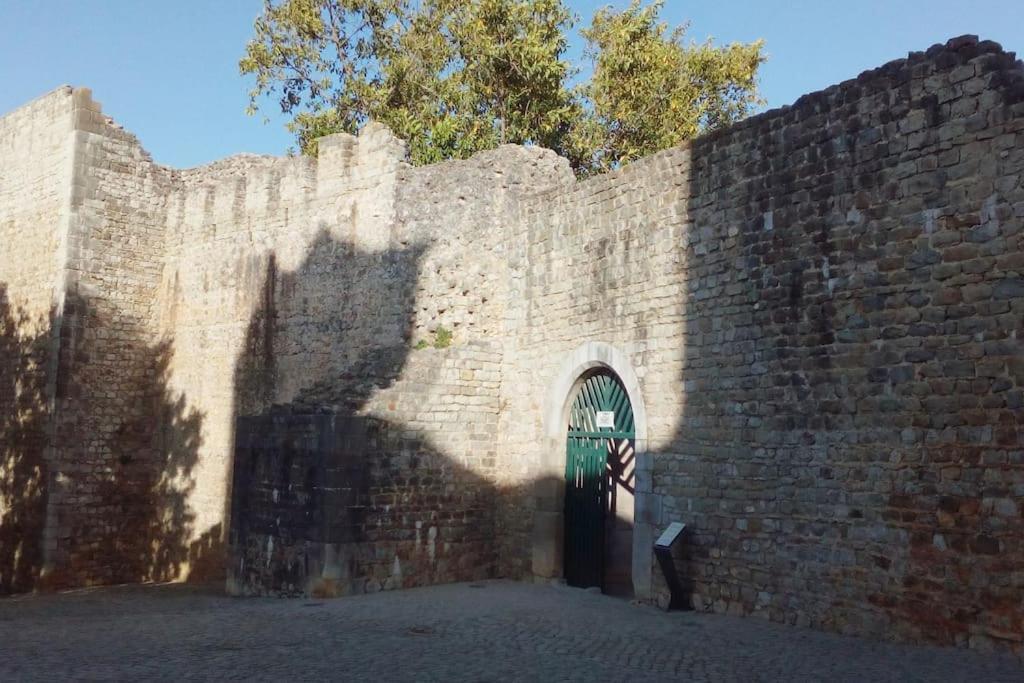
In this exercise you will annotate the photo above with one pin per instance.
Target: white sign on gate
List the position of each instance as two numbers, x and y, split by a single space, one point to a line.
605 418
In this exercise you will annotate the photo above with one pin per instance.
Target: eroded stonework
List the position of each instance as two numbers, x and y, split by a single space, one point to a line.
822 308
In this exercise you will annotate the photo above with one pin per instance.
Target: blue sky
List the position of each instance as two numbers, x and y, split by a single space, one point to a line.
168 70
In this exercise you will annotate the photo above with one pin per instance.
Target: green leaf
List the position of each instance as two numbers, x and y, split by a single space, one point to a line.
454 77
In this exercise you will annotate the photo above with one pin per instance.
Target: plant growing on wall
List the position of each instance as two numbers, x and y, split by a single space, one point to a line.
453 77
442 339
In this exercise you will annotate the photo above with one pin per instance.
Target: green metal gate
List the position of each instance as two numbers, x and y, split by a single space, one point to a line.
600 419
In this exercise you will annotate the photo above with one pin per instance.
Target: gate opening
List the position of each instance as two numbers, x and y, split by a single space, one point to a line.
600 486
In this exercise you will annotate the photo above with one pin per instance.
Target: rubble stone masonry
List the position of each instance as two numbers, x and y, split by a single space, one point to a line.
241 370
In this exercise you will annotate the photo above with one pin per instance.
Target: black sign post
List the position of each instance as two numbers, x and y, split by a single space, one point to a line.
663 551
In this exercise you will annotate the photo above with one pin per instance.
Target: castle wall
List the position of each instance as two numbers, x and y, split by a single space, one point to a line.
870 407
294 287
35 145
823 305
223 222
344 374
33 193
112 513
595 261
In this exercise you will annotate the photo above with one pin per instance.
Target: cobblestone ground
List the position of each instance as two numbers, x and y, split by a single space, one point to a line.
493 631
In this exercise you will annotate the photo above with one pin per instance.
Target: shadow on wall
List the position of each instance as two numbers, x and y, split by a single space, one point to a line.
336 330
24 416
341 481
124 446
154 450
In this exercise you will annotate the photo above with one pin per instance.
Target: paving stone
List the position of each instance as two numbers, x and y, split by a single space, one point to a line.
485 631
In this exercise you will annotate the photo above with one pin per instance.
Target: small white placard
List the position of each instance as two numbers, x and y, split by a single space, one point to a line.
605 418
670 534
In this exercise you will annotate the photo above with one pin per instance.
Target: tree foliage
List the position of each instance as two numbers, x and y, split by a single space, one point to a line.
453 77
650 91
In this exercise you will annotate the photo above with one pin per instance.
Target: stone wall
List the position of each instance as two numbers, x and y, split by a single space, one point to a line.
824 308
332 501
297 286
35 179
221 223
850 451
817 315
595 261
184 300
114 516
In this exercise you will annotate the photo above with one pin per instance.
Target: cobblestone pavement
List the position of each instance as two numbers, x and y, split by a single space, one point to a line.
492 631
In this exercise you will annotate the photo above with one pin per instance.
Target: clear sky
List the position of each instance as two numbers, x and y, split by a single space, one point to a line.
168 69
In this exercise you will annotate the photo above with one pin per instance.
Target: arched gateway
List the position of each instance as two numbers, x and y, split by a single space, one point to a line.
625 553
600 485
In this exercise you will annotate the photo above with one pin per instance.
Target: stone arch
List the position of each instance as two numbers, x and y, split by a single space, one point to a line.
548 532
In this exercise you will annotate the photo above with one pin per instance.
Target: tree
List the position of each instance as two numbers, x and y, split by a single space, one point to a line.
453 77
450 77
649 91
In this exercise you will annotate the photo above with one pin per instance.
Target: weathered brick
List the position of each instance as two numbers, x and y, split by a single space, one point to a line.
1008 288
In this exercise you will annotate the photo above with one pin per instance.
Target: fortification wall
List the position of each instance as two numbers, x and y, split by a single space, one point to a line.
34 189
182 300
224 222
861 442
823 306
817 315
595 261
108 520
35 178
294 287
